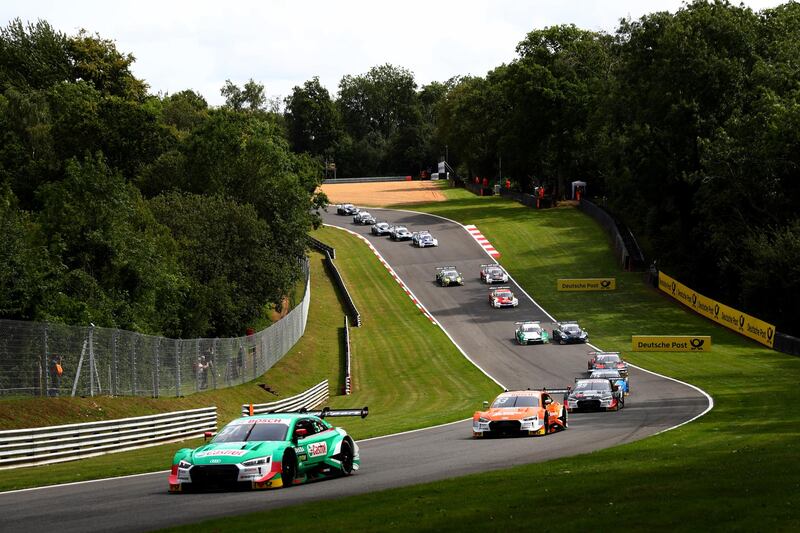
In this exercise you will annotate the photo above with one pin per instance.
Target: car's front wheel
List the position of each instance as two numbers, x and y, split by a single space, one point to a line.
564 417
288 468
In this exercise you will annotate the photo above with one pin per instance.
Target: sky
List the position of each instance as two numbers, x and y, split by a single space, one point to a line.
281 44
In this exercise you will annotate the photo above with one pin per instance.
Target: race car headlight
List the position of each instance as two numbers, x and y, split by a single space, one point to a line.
483 420
261 461
531 419
184 464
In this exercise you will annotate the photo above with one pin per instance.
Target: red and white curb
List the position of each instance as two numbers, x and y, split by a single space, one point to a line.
483 241
393 273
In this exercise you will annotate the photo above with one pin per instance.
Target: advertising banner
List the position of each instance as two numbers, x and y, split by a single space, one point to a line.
671 343
588 284
729 317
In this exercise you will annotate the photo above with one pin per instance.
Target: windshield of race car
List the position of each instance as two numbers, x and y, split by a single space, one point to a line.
450 273
571 328
515 401
592 385
503 294
494 271
608 359
531 328
253 430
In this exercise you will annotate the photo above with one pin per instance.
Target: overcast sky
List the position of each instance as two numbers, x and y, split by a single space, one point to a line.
282 43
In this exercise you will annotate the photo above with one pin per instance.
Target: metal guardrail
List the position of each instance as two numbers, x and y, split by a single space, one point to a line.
44 445
321 247
308 400
625 245
355 316
367 180
348 380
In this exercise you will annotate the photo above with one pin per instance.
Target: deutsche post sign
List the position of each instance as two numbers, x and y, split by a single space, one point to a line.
722 314
671 343
588 284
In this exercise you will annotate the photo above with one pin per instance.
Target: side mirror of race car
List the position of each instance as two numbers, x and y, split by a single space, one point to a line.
485 404
300 433
207 435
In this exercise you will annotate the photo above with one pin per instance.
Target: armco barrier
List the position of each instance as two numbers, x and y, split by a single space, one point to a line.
321 247
348 380
36 446
366 180
625 245
305 400
352 310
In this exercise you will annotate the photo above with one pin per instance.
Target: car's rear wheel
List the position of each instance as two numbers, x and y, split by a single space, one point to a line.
288 468
346 457
564 417
546 423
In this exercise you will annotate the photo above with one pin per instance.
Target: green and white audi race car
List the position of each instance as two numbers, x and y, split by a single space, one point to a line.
531 332
269 451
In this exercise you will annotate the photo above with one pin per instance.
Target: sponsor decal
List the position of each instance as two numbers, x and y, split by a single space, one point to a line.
317 449
588 284
729 317
221 453
671 343
262 421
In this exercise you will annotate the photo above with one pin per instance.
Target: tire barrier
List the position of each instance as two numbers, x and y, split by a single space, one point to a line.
305 400
786 344
55 444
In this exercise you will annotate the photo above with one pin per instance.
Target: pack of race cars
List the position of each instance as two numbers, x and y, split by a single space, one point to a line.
539 411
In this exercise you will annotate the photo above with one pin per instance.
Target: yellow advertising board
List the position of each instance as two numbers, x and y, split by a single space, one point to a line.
722 314
671 343
588 284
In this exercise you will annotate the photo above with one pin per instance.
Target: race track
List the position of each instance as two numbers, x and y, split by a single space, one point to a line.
486 335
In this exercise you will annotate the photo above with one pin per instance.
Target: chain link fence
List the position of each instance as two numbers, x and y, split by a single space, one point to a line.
43 359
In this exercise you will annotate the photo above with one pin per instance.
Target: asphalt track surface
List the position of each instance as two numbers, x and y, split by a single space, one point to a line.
141 503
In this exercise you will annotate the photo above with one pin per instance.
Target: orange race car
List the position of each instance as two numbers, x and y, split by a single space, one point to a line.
525 412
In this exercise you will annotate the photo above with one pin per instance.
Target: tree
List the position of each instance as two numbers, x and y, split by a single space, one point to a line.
119 262
250 97
312 119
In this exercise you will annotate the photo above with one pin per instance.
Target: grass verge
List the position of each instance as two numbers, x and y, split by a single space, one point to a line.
735 468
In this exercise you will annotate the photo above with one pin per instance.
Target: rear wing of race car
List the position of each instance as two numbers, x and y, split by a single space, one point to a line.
555 390
491 265
527 322
447 268
604 353
565 322
328 412
499 289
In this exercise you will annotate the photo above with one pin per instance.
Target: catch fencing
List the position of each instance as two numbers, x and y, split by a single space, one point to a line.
106 361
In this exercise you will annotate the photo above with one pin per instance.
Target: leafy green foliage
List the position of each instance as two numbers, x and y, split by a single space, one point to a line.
83 145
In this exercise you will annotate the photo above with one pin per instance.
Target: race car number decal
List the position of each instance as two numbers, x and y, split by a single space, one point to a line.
320 448
217 453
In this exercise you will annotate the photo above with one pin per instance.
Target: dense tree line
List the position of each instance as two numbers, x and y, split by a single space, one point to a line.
116 205
153 213
685 123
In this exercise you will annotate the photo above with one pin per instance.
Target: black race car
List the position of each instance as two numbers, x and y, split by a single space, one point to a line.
346 209
568 332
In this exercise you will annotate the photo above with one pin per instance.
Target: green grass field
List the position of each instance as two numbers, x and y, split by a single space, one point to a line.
736 468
